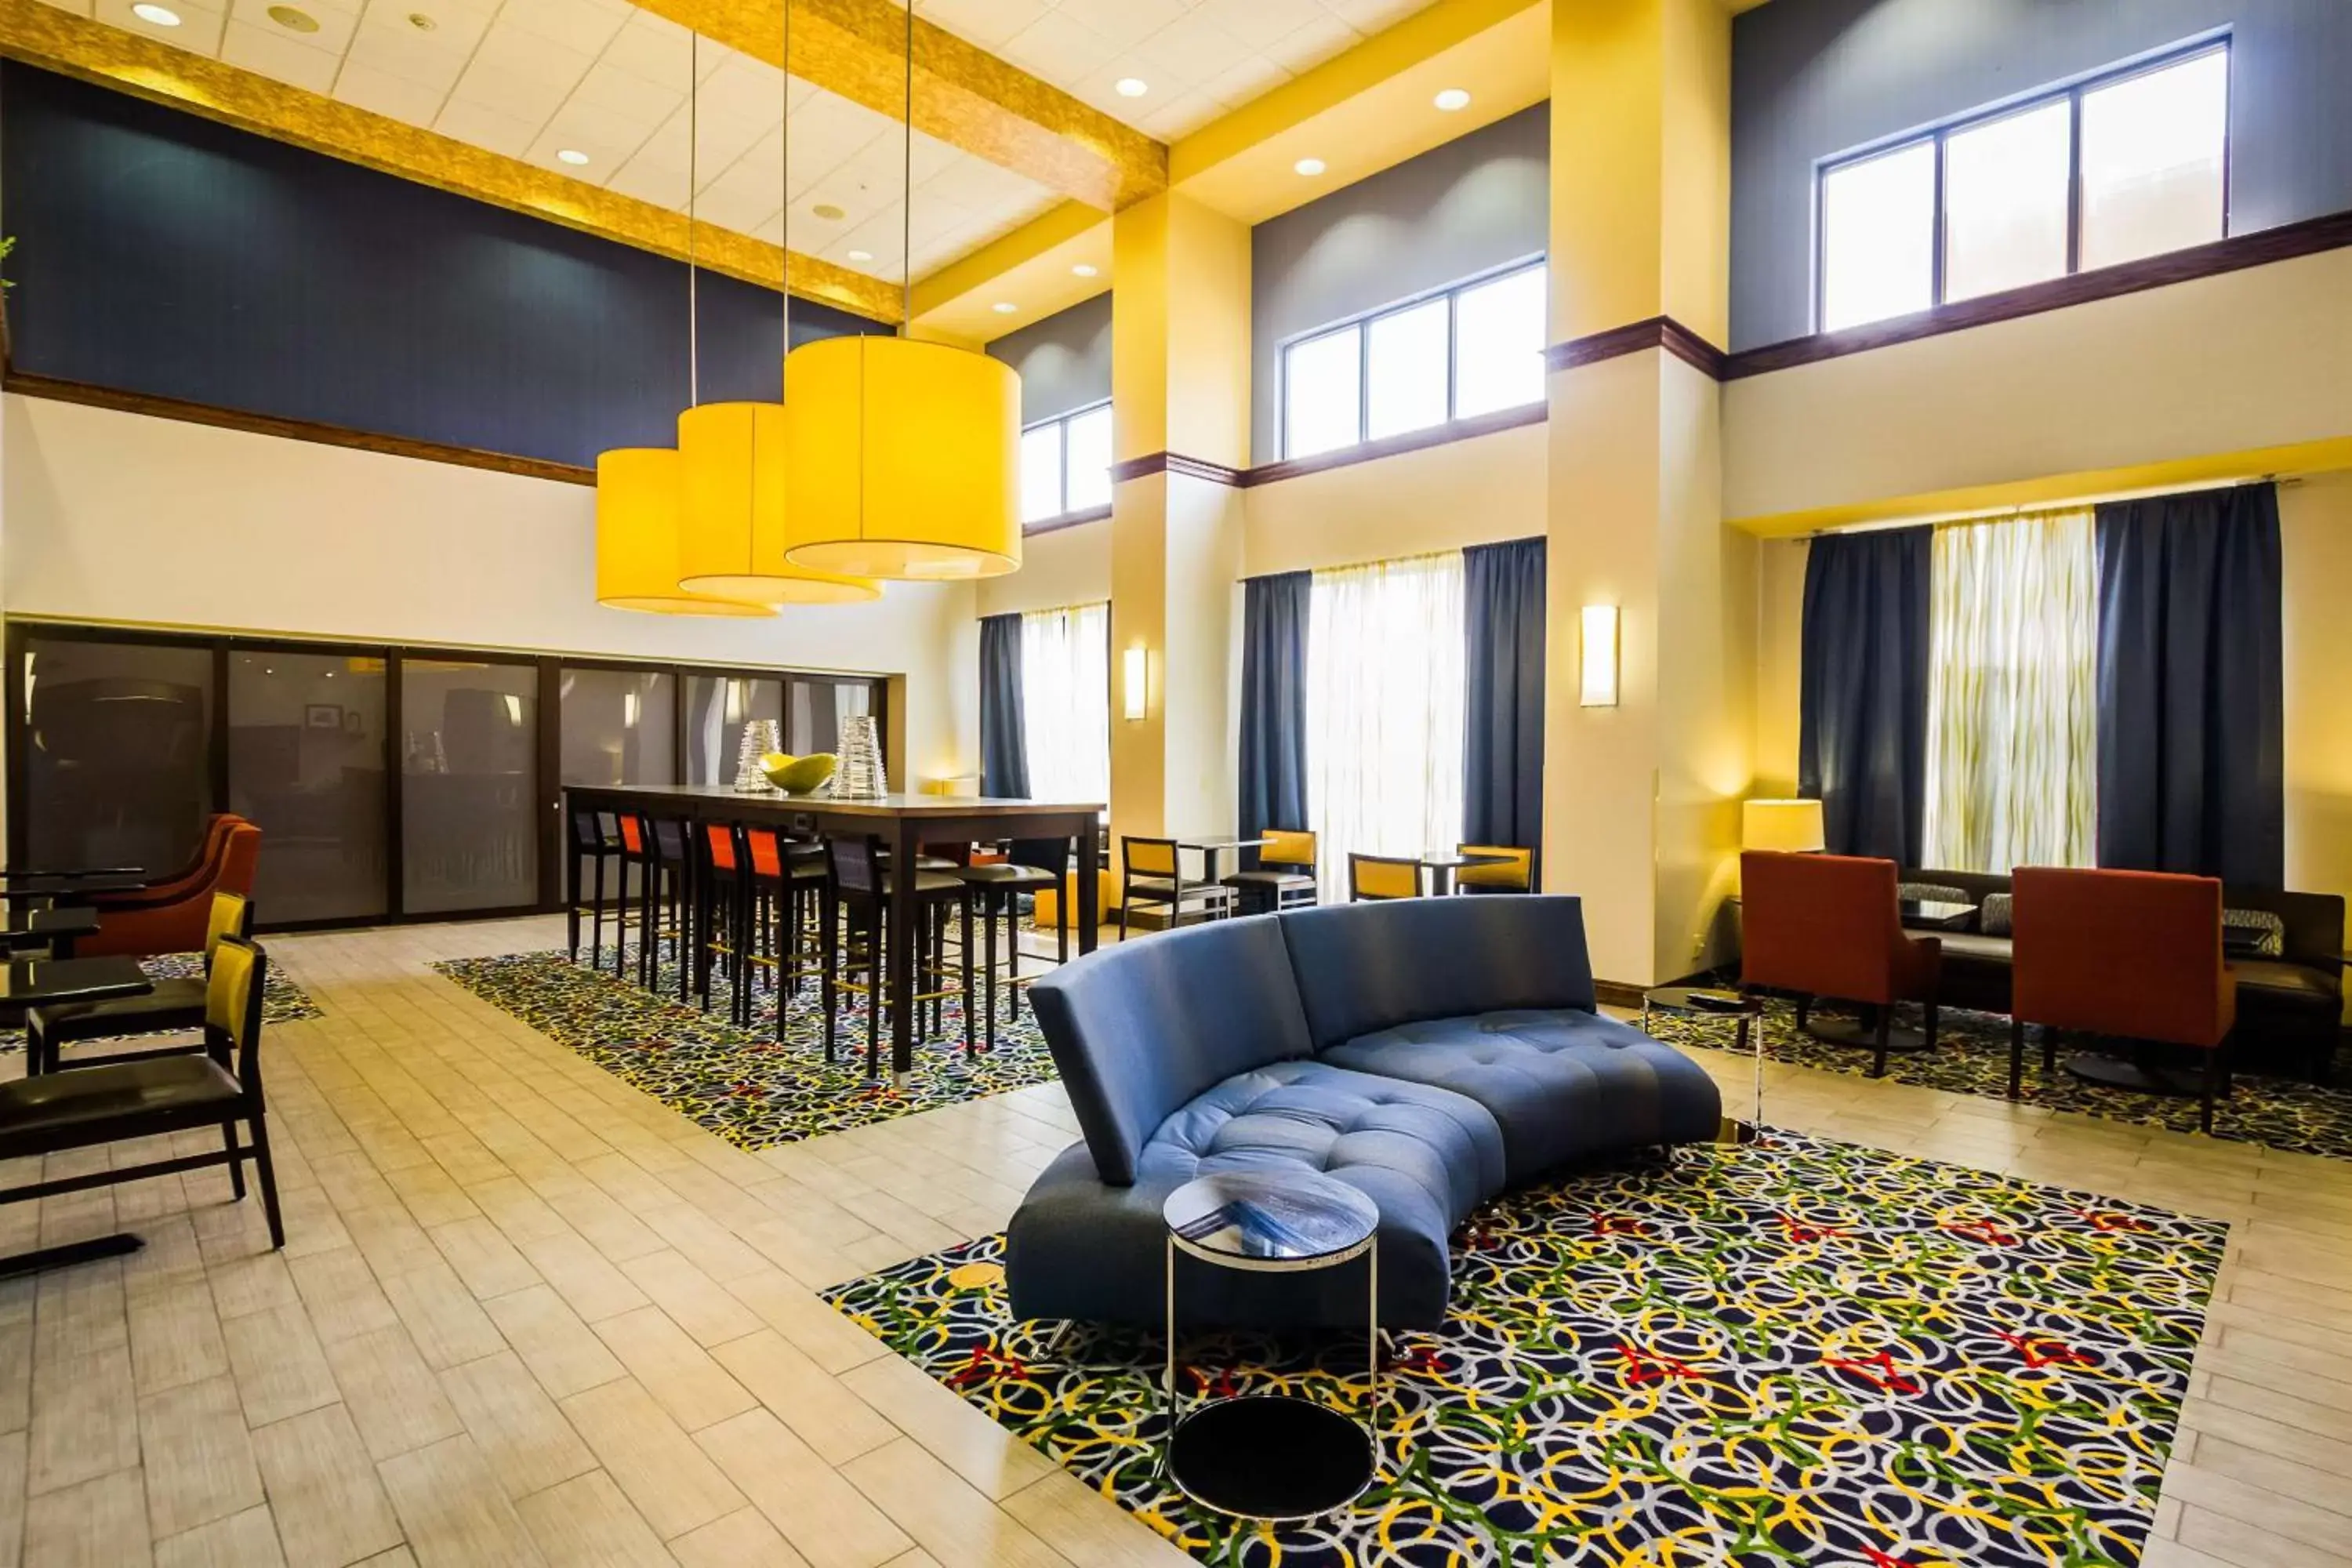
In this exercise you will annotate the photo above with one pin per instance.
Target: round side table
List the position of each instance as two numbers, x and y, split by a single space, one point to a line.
1271 1456
1703 1001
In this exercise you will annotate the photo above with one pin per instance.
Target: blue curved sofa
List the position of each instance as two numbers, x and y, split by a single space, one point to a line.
1430 1052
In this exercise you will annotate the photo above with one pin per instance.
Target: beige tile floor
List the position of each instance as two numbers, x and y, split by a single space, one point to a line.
527 1315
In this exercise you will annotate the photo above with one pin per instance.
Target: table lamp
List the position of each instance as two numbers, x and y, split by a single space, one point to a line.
1786 825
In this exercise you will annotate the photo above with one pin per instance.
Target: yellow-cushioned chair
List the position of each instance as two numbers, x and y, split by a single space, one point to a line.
1373 876
1285 878
1154 879
1516 873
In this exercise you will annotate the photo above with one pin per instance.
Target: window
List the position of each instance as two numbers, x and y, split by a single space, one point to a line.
1066 465
2122 166
1474 349
1384 700
1065 702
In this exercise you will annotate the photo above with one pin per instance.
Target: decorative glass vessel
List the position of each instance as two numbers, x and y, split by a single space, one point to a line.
761 736
861 775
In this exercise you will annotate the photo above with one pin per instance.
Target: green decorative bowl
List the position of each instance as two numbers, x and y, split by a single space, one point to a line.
798 775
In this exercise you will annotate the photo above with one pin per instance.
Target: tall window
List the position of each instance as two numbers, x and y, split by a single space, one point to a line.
1384 670
1065 702
1474 349
2012 730
2128 164
1066 465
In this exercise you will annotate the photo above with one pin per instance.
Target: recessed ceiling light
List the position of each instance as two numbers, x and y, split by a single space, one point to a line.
1310 167
1132 87
1004 306
1451 98
861 255
421 21
828 212
571 155
293 20
1084 270
157 15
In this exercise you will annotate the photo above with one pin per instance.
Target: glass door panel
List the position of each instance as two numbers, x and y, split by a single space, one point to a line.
118 765
306 737
717 708
469 785
619 727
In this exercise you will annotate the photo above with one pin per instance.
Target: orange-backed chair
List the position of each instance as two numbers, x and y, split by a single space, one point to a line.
1830 925
174 884
179 921
2136 955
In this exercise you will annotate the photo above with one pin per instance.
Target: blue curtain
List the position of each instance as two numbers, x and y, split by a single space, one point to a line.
1273 705
1862 719
1003 754
1503 693
2191 771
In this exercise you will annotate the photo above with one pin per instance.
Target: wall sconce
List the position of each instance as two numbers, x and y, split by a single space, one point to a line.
1599 640
1133 680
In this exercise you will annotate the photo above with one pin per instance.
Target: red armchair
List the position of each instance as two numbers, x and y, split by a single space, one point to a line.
175 915
2130 954
1830 925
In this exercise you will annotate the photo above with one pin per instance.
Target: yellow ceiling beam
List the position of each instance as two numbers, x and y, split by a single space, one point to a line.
58 40
964 95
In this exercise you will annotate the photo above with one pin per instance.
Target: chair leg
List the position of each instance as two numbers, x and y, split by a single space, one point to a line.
236 1165
1011 960
1885 1023
2049 1048
987 986
963 911
572 909
268 1174
2016 1058
876 970
1804 1012
1931 1023
1123 902
2211 1085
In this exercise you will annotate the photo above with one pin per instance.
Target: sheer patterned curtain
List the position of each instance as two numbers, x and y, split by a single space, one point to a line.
1065 702
2012 726
1385 659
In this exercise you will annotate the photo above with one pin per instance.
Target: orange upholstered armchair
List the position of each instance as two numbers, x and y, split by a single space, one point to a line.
2130 954
173 916
1830 925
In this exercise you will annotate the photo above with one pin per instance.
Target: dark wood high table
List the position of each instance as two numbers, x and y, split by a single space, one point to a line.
903 823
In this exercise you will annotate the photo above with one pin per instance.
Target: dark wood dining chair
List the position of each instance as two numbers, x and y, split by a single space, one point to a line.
156 1095
1154 878
176 1006
1375 877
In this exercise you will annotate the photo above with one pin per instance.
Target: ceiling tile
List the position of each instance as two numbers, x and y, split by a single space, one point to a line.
610 140
987 22
1311 45
486 126
652 178
1258 24
1121 23
1195 48
269 50
506 51
1057 49
78 8
385 42
199 31
381 92
624 92
333 34
583 24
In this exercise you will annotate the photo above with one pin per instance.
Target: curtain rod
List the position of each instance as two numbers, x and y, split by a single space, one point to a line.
2005 514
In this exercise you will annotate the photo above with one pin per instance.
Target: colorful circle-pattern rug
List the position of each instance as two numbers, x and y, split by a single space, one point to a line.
1972 1056
748 1085
1798 1353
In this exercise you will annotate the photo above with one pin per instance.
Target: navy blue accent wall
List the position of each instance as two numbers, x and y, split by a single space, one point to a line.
1812 78
1064 360
162 252
1478 202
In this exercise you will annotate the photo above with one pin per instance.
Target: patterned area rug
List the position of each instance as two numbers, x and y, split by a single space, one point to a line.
748 1085
1972 1056
1799 1353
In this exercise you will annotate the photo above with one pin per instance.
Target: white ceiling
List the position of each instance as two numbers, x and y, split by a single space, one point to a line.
1198 57
530 77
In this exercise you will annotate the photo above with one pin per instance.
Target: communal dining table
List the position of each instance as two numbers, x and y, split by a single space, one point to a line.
903 822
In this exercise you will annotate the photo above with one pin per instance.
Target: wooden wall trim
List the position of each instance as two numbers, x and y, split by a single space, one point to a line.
1657 332
2260 248
1174 463
1389 446
190 413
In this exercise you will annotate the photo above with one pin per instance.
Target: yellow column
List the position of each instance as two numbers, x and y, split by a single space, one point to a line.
1640 799
1179 388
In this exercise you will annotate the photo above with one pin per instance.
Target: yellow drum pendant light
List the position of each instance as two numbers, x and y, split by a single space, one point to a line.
904 461
636 538
732 518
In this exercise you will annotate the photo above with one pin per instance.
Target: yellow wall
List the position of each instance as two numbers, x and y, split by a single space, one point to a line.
1478 491
1067 566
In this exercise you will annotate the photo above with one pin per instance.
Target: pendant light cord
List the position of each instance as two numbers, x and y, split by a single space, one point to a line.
907 207
784 157
693 146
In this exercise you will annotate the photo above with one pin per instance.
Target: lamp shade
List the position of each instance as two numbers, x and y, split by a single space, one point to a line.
636 538
730 534
904 461
1781 824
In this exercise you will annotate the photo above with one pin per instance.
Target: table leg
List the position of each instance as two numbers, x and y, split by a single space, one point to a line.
1372 1318
71 1253
1748 1027
902 952
1089 883
1168 1377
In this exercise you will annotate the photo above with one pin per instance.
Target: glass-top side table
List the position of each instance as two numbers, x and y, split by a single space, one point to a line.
1705 1001
1272 1455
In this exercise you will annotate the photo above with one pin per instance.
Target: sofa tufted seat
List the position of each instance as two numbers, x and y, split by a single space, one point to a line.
1425 1155
1430 1052
1564 1086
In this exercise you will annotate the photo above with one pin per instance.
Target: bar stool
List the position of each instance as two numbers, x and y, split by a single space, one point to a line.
637 863
722 918
596 842
860 888
996 889
666 906
786 895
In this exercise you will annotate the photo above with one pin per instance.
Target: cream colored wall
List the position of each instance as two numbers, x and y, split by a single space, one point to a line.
2256 359
2315 543
1779 620
1067 566
120 517
1478 491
